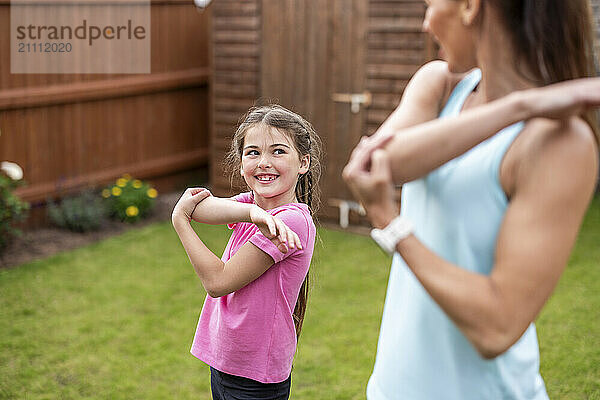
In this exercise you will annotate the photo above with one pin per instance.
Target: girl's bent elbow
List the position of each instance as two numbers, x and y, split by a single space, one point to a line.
214 294
216 290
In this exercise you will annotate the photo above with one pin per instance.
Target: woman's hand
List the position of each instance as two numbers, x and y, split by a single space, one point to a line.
374 189
187 203
360 158
562 100
274 229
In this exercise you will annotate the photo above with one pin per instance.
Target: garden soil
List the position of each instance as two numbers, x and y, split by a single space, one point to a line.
44 242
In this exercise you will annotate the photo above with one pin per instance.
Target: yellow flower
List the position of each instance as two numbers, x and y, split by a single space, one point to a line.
121 182
106 193
132 211
116 191
152 193
127 177
137 184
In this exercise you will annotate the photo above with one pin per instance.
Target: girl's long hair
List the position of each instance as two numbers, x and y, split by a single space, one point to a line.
306 141
553 38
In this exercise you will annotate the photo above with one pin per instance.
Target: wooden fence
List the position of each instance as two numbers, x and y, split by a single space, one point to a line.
310 55
72 130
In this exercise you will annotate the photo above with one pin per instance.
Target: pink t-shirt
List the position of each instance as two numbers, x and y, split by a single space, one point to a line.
251 332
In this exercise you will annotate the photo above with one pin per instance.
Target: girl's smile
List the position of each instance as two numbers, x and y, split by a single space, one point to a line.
266 178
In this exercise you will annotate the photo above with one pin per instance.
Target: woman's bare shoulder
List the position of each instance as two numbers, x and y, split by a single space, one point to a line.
433 75
427 88
567 137
435 81
560 148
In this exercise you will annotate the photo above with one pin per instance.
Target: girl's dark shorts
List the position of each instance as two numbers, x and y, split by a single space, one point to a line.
231 387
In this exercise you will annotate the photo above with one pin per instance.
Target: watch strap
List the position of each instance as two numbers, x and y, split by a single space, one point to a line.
388 237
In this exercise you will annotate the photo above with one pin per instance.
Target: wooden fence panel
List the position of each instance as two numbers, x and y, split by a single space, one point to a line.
235 78
71 130
309 50
396 49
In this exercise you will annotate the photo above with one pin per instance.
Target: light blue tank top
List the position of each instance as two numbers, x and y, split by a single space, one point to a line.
457 210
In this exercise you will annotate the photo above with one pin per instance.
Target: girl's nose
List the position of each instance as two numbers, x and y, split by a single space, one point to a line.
264 162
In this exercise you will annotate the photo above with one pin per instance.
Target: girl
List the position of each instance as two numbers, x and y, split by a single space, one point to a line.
257 291
499 162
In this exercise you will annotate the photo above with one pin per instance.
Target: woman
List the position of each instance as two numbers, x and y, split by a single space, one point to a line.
501 162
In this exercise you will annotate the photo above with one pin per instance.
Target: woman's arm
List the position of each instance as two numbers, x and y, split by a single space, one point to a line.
554 184
419 149
422 148
421 102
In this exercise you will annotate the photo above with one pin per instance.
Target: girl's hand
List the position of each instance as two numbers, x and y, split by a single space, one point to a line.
374 189
274 229
562 100
187 203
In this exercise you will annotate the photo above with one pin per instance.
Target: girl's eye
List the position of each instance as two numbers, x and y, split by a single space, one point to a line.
252 153
279 151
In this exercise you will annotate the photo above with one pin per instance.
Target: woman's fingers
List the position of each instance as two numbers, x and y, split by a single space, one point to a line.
562 100
380 165
358 159
381 140
367 185
362 153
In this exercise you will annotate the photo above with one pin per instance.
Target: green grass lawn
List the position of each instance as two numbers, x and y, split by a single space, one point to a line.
115 320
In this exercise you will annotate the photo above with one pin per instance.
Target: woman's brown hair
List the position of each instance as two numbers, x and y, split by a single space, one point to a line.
553 38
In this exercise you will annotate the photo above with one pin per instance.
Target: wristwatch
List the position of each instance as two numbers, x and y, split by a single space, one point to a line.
388 237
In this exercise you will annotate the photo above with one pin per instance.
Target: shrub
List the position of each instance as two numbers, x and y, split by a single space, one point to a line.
80 213
12 208
129 199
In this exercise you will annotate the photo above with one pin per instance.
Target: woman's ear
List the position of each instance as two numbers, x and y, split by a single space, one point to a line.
470 10
304 164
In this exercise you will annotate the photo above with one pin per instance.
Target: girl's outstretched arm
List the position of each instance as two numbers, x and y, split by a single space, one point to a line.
219 278
200 205
220 211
